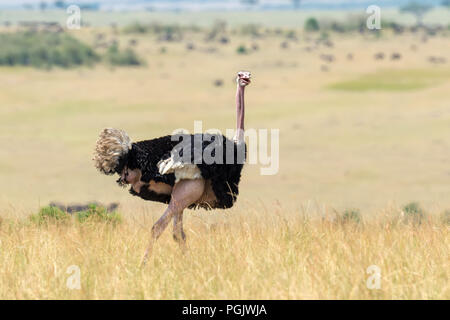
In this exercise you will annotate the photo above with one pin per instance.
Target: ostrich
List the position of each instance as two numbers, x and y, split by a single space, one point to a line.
157 171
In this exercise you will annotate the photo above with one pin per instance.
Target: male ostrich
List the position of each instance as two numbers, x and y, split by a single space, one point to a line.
155 172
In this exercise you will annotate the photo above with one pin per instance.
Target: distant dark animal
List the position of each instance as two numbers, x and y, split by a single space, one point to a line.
379 56
437 60
328 43
211 50
99 36
396 56
398 29
170 37
224 40
83 206
284 45
190 46
176 173
133 42
327 58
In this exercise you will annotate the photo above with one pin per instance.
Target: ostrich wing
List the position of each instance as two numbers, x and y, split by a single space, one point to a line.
191 165
179 168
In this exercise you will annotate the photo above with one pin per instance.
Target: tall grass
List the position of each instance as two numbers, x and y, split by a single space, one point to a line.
246 254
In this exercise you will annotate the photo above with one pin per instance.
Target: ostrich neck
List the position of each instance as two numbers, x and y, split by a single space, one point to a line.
240 111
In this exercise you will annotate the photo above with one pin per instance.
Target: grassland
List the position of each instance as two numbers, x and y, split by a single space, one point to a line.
367 143
393 80
248 253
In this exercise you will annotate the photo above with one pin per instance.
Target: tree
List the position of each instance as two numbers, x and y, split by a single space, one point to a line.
60 4
43 6
417 9
446 3
250 2
312 24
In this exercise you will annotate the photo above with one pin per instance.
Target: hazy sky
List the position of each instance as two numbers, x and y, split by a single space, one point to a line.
14 2
199 2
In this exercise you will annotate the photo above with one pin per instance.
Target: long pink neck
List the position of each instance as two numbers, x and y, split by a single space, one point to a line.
240 111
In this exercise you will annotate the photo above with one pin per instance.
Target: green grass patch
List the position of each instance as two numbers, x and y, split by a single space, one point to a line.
349 216
50 215
97 213
414 213
94 213
445 217
393 80
126 57
312 24
242 49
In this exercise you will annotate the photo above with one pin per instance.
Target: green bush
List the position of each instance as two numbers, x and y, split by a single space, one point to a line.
136 28
94 213
413 213
353 23
97 213
166 32
242 49
445 217
291 34
312 24
350 216
324 36
126 57
253 30
44 50
50 214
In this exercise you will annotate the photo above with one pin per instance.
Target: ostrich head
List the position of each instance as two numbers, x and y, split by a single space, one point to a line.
111 151
243 78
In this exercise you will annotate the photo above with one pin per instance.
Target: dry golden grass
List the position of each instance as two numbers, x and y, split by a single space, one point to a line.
264 253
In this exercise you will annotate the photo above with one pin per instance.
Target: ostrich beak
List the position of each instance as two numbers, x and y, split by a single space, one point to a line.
122 181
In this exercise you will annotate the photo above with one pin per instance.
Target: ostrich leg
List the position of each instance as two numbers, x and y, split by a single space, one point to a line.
178 233
184 193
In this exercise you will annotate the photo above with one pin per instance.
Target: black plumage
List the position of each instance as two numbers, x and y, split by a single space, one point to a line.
224 173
